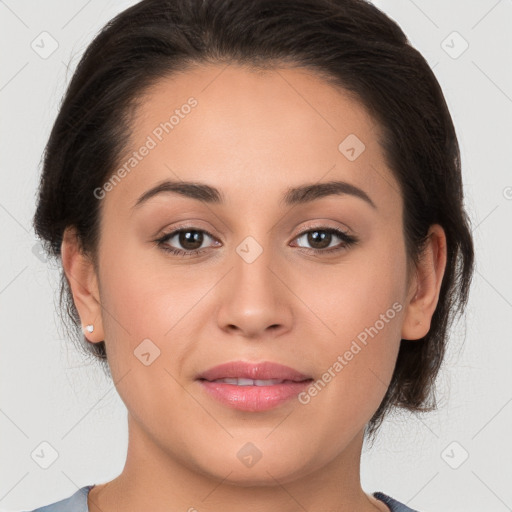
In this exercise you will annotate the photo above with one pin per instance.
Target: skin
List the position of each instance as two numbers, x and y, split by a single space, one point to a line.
252 135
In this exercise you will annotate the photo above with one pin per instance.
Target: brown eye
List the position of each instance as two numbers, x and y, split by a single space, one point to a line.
185 241
190 240
320 239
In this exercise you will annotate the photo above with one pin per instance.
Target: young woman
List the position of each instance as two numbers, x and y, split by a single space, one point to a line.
259 213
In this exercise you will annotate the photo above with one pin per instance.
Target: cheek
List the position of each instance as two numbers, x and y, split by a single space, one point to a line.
346 298
359 308
140 305
147 297
138 293
357 363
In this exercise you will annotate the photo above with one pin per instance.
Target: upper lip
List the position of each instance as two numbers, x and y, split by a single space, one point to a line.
256 371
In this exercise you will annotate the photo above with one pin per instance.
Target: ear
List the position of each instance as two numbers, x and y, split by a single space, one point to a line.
83 281
425 286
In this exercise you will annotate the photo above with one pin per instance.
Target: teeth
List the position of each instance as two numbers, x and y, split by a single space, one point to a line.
250 382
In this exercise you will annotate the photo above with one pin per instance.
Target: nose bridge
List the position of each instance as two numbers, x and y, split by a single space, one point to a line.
253 279
252 298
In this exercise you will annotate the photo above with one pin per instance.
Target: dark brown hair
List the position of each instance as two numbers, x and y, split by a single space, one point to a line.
347 42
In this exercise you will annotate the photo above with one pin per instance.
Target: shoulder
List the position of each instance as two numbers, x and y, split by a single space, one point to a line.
394 505
77 502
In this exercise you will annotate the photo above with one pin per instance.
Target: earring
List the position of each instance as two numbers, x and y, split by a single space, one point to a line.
89 328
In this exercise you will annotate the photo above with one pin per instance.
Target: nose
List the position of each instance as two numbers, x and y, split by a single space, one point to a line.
254 301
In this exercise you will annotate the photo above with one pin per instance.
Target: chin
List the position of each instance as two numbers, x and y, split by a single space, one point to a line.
267 471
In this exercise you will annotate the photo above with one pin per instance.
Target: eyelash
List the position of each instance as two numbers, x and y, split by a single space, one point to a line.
348 240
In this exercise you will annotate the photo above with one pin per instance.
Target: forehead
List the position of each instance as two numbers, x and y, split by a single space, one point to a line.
249 131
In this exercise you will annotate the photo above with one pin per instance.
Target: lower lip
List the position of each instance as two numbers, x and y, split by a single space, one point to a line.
253 398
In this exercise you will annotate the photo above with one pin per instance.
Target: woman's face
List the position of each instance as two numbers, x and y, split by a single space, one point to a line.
271 281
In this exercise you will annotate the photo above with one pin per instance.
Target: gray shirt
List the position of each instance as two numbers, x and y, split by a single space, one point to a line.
78 503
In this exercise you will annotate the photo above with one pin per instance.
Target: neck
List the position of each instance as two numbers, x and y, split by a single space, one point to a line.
153 478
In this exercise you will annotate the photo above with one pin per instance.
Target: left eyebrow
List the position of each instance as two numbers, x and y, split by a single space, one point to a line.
293 196
307 193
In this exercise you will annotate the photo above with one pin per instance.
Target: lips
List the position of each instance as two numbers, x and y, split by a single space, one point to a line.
250 382
244 372
252 387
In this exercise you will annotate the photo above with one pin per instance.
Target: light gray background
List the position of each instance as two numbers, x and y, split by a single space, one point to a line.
48 393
